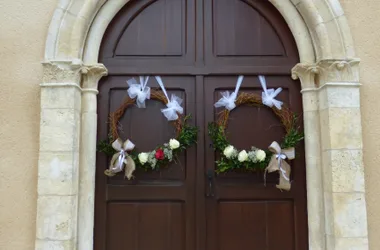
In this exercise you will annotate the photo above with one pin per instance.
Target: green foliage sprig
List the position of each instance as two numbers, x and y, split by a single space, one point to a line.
225 164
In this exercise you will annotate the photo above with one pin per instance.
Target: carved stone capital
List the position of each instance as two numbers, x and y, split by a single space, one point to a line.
326 71
92 75
339 71
62 72
306 73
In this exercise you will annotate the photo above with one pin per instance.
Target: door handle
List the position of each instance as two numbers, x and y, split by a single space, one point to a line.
210 178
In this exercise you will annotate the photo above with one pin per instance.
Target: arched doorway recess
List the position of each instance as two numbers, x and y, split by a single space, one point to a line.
328 71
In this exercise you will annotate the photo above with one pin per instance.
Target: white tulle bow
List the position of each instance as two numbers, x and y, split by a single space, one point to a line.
173 108
228 99
269 95
139 91
174 103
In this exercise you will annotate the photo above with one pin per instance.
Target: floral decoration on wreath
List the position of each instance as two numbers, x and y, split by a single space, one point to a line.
124 155
273 159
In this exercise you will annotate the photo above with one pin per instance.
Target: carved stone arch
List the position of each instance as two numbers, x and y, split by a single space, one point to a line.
328 71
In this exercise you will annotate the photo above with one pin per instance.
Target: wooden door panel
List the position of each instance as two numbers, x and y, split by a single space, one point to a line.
158 20
241 225
254 225
158 204
148 34
233 37
146 225
247 33
242 206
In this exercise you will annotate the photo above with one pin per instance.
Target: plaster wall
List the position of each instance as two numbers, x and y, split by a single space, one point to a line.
23 30
364 21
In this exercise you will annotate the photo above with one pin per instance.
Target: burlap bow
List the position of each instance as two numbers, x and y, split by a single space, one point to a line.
120 158
278 163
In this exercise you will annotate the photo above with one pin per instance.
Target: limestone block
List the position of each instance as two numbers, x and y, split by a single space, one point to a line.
343 171
75 7
347 170
311 128
339 97
310 101
61 97
321 40
63 4
58 173
329 213
79 34
56 217
310 14
333 243
336 8
351 244
59 130
315 207
65 44
327 171
341 128
345 32
350 216
335 38
54 245
62 72
330 242
295 2
53 31
324 10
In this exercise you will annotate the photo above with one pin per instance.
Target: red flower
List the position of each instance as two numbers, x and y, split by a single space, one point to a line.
159 154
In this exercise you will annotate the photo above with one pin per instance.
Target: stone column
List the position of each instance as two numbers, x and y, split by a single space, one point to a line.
316 221
341 141
57 203
91 77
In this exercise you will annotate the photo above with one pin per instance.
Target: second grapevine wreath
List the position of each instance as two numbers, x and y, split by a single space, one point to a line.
255 159
124 153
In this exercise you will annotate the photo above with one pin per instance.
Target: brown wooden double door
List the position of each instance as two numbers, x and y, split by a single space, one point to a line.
199 47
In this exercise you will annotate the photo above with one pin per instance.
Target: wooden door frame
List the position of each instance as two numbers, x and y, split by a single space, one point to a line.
328 71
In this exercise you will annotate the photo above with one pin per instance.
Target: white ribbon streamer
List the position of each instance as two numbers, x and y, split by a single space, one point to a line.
228 99
120 161
174 103
269 95
279 158
139 91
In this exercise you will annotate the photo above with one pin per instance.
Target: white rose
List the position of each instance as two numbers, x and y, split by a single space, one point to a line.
143 157
173 144
260 155
229 151
243 156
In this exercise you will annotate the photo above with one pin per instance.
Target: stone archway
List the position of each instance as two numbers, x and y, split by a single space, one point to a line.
328 71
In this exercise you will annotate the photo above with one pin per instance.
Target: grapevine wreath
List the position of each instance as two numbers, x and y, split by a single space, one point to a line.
273 159
124 154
